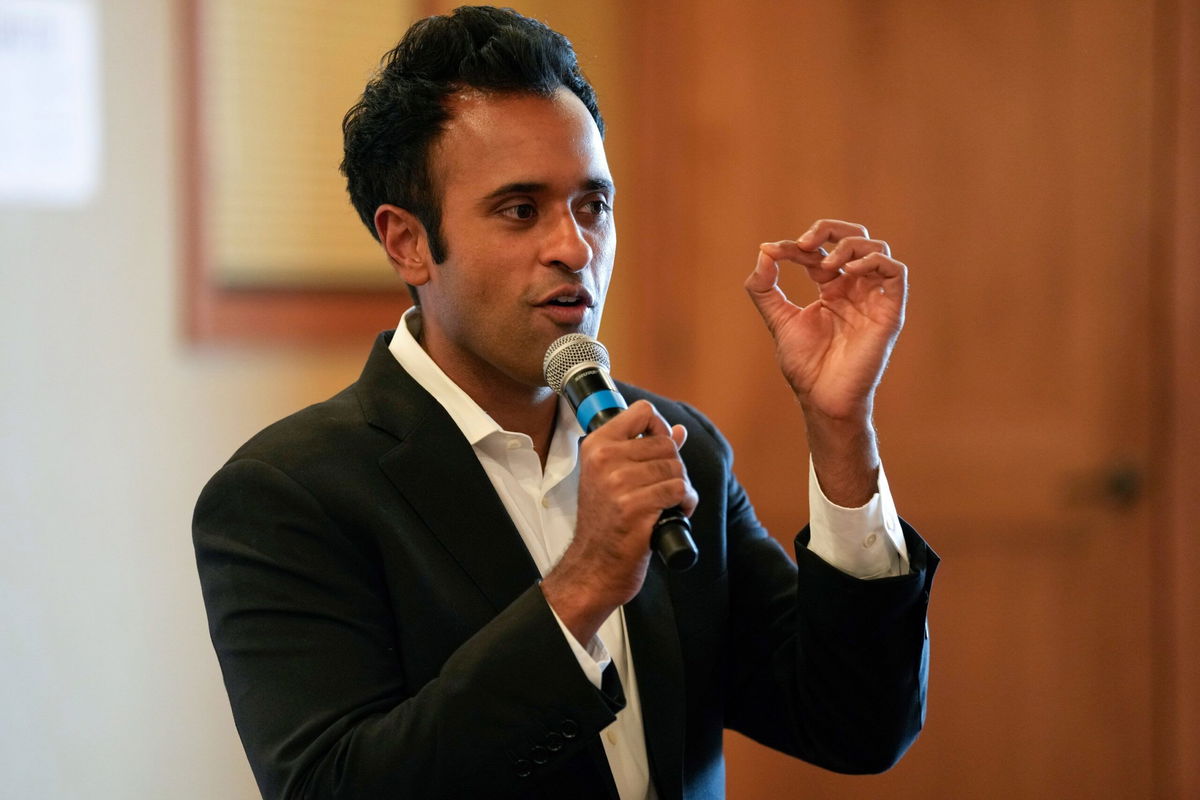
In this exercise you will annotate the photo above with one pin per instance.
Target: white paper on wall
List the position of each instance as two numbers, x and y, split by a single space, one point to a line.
49 102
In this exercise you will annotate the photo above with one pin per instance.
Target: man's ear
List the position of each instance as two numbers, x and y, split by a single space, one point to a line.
406 243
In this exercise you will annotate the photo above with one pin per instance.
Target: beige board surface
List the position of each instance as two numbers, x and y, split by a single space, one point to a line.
277 76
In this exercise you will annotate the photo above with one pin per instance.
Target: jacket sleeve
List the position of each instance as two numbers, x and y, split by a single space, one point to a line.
301 622
821 665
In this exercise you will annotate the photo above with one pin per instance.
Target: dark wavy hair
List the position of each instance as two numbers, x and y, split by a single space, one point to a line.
388 133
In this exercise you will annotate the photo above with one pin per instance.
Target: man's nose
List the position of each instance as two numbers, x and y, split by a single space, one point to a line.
566 244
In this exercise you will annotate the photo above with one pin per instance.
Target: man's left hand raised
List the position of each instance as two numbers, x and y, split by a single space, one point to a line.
833 351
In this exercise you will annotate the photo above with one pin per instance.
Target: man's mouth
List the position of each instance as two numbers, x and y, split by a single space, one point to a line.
566 302
567 306
569 298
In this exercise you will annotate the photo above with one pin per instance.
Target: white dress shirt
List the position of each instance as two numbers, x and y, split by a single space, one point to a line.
865 542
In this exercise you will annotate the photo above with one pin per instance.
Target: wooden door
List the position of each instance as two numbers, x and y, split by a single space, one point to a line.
1005 150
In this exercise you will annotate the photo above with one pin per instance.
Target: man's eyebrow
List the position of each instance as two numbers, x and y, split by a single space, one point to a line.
600 185
517 187
534 187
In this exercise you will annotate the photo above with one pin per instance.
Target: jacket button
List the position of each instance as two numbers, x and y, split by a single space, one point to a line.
569 728
539 754
554 742
524 768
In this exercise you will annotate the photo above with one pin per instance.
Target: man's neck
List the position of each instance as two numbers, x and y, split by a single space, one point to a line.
515 406
532 412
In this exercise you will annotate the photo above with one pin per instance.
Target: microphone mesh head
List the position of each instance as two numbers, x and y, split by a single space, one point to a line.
567 352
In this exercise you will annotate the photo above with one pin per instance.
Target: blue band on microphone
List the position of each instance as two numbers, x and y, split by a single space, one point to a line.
594 403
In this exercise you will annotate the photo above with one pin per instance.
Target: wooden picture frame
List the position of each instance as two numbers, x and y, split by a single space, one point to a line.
264 310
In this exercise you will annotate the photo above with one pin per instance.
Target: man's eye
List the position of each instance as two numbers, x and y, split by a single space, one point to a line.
519 211
597 207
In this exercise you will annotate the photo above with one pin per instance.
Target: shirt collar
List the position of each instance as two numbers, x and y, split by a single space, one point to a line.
475 423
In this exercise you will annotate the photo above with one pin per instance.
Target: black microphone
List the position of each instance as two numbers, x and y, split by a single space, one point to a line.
576 367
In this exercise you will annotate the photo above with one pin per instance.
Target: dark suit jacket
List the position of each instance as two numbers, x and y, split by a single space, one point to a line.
381 632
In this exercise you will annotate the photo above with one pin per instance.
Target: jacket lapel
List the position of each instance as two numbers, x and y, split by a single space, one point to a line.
437 472
658 661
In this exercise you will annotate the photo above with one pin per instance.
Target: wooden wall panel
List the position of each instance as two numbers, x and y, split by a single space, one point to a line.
1178 207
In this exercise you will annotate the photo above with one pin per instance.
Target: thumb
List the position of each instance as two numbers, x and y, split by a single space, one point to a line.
678 435
763 287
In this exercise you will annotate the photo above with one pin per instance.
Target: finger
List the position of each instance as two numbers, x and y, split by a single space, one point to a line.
830 230
665 494
690 500
638 433
647 448
854 247
878 264
639 419
633 475
765 276
813 261
764 291
790 250
657 425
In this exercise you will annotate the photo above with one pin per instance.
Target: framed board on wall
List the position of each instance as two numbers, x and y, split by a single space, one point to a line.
273 249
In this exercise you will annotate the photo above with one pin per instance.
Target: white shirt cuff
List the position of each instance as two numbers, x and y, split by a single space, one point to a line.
593 659
865 542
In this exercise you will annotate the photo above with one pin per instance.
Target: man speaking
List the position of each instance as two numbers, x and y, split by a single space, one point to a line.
433 585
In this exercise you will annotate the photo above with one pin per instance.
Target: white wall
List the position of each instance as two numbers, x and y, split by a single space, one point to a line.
109 425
